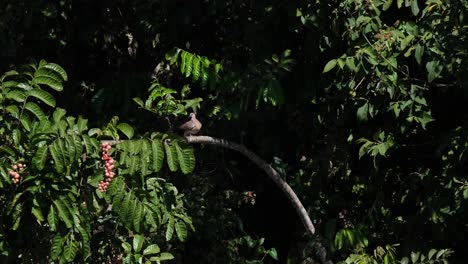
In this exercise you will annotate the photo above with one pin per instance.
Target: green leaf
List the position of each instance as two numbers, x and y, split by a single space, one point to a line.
13 110
431 253
139 102
42 95
418 52
16 216
172 55
82 124
17 95
49 81
58 114
52 219
171 156
35 110
36 211
63 212
25 121
127 247
186 158
86 246
56 247
465 193
7 150
126 208
196 68
387 5
433 69
151 249
181 230
183 54
56 68
188 64
399 3
414 7
126 129
362 113
330 65
138 216
350 64
365 148
70 250
272 252
58 155
170 228
414 256
162 256
138 243
91 144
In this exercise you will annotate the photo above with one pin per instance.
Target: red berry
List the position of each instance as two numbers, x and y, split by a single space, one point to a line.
15 167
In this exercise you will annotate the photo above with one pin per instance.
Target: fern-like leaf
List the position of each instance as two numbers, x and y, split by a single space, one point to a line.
13 110
188 64
71 150
52 219
138 215
49 81
126 129
126 208
35 110
78 147
70 251
39 159
56 247
186 158
196 64
157 154
64 212
58 69
17 95
181 230
86 246
170 228
57 155
171 156
42 95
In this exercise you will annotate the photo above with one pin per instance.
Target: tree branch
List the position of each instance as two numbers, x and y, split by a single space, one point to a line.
268 169
275 176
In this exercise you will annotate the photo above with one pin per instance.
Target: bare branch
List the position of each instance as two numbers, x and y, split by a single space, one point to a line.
275 176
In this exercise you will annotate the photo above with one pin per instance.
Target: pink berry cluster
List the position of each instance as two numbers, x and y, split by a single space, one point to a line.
14 172
109 165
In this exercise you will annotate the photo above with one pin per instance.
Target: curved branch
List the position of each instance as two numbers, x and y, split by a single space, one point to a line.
268 169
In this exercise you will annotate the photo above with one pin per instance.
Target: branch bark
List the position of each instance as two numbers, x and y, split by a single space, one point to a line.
268 169
275 176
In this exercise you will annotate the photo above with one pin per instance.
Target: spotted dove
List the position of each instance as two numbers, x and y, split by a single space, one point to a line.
192 126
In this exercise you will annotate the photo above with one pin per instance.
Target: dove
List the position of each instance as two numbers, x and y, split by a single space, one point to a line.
192 126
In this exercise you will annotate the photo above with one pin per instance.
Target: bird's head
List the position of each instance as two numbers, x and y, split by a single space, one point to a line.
192 115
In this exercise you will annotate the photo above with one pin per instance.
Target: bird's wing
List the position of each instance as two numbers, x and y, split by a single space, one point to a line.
187 126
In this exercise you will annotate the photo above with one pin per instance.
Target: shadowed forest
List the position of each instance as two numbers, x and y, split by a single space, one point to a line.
359 106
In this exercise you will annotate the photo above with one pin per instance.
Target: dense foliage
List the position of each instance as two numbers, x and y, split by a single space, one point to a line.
360 104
